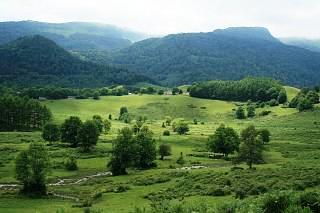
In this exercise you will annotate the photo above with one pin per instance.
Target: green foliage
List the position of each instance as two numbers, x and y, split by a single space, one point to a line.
282 97
251 111
32 167
276 203
123 152
240 113
145 148
107 125
264 135
71 164
69 130
88 135
99 122
181 127
181 160
166 133
22 114
243 90
304 104
273 102
51 132
225 140
164 150
251 148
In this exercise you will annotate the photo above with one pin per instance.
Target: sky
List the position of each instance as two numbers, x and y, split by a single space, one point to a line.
284 18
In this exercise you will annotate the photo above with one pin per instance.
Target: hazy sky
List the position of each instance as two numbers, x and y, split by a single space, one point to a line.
299 18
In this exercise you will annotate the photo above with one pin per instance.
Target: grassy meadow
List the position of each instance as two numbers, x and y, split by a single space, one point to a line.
291 158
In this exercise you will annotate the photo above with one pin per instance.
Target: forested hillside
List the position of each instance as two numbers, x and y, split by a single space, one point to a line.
35 60
310 44
79 36
229 54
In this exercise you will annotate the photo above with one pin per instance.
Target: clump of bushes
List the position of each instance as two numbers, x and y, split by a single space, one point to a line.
166 133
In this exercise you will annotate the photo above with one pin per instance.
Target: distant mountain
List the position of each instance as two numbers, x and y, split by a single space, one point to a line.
313 45
36 60
229 54
76 36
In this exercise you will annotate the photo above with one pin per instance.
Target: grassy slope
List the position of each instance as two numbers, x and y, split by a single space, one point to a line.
293 134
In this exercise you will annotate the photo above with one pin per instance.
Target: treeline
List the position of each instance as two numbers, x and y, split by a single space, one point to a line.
22 114
255 89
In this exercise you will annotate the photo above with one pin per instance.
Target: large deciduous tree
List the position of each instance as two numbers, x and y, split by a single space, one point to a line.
70 129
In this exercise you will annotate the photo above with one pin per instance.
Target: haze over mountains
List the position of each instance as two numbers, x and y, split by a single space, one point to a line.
228 54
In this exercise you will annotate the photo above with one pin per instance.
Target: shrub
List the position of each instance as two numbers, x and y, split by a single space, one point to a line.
276 203
264 113
273 102
71 164
310 200
166 133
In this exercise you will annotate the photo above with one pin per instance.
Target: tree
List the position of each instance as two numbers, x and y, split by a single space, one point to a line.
32 167
251 148
282 97
107 125
51 132
181 160
304 104
164 150
123 110
146 148
240 113
110 117
225 140
123 152
88 135
175 91
251 111
168 120
160 92
313 97
96 95
264 135
181 128
70 129
98 121
71 164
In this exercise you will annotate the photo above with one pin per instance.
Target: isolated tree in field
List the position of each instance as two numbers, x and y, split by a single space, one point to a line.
175 91
110 117
264 135
251 147
181 128
240 114
107 125
225 140
168 120
32 167
51 132
96 95
71 164
181 160
88 135
70 129
123 152
99 122
146 148
251 111
123 110
164 150
282 97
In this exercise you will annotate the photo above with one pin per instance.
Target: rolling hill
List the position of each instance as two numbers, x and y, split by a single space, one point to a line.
76 36
228 54
36 60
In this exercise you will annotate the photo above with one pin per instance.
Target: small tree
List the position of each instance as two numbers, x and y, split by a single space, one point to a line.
304 104
251 148
168 120
175 91
181 160
282 97
110 117
123 152
107 125
164 150
88 135
70 129
264 135
71 164
32 167
146 148
123 110
225 140
163 125
99 123
240 113
251 111
181 128
51 132
96 95
166 132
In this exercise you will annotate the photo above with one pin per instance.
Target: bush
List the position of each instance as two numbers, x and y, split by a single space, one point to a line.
71 164
276 203
273 102
166 133
264 113
310 200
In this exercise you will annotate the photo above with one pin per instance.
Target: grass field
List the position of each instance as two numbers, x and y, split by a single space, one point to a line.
291 158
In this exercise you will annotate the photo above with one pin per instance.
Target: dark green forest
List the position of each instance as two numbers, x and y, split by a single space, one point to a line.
38 61
230 54
255 89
